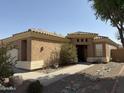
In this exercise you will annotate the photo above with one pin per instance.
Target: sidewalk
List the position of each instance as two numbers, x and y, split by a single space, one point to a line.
47 79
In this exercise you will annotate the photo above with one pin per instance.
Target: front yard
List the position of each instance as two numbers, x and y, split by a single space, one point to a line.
100 78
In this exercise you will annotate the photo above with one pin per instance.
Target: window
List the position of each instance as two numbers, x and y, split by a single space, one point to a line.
77 40
86 40
82 40
99 50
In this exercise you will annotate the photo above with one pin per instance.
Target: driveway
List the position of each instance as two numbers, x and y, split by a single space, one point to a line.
47 79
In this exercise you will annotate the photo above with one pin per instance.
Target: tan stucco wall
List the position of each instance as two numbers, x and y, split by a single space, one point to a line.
20 51
117 55
90 50
108 51
45 54
35 57
29 65
14 54
97 59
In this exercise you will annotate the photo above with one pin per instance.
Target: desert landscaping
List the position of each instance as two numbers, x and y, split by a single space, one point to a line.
100 78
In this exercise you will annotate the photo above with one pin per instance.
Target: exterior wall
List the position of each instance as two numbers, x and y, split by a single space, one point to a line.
94 57
36 57
97 59
117 55
41 52
90 50
18 52
14 51
84 42
24 65
90 47
14 54
91 53
29 65
108 51
40 47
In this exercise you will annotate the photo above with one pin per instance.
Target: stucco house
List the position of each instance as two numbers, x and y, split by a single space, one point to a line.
35 46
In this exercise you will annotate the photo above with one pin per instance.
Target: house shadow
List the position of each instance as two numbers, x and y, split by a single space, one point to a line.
45 81
19 70
80 82
85 83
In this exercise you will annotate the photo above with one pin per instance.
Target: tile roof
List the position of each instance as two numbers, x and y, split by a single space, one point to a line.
80 33
41 31
100 37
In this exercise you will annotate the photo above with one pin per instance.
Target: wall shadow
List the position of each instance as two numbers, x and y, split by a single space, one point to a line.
77 83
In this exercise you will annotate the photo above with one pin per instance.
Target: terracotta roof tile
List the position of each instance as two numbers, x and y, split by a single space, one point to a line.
80 32
41 31
100 37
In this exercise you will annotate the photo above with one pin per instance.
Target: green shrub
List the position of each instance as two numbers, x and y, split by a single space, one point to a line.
6 62
68 54
35 87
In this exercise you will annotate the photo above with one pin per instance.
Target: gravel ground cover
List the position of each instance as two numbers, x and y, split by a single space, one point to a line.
97 79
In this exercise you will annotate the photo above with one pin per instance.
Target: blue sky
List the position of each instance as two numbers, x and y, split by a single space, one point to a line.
61 16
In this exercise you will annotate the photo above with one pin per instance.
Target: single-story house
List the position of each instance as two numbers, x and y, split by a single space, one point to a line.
35 46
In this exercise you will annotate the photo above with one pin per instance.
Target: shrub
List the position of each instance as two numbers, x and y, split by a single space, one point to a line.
54 60
68 54
6 62
35 87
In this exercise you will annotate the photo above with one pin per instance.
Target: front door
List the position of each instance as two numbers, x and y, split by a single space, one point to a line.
82 53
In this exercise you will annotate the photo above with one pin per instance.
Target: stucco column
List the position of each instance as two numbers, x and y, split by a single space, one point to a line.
104 50
19 50
29 49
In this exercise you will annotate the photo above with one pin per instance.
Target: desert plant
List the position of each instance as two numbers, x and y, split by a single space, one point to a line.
35 87
54 59
6 62
68 54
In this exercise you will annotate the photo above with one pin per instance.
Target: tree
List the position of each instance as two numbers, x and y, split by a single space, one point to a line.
113 11
6 62
68 54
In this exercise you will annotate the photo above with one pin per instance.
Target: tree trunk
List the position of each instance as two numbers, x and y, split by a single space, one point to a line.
121 36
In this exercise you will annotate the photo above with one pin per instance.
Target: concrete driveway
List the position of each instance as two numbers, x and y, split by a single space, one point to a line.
47 79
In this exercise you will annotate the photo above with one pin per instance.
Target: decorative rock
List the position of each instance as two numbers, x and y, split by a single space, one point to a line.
83 90
76 86
96 87
16 80
68 87
64 91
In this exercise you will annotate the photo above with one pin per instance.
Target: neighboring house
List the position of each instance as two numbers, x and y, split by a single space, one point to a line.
35 47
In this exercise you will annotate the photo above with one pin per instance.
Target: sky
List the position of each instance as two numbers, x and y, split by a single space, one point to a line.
60 16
